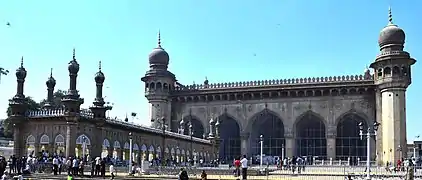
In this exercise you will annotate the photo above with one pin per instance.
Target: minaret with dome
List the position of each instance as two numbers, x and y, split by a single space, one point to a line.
158 84
392 69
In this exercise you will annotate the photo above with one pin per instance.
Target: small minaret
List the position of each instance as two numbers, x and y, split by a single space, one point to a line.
158 85
392 69
51 83
18 106
98 107
72 100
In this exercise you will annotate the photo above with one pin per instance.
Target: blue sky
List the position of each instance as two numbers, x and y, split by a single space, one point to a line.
231 40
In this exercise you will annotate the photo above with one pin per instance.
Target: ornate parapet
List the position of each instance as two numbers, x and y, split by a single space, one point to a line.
275 82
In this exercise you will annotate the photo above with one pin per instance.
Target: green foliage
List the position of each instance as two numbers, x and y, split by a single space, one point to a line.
7 129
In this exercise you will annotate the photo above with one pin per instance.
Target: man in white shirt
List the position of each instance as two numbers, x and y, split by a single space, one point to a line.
55 165
244 165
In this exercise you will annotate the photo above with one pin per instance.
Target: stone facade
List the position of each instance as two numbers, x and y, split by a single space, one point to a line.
72 131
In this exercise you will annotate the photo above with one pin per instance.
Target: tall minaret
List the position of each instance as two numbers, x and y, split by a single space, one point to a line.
18 107
98 107
72 100
158 84
51 83
392 69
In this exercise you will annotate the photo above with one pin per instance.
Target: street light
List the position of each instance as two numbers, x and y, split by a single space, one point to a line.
368 134
83 147
191 139
261 140
414 146
130 152
282 152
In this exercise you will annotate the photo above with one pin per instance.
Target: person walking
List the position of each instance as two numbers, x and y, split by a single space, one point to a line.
244 165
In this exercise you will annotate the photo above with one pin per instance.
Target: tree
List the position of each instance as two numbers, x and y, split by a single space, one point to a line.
6 129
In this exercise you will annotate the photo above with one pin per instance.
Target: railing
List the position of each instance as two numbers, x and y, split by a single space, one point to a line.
275 82
88 114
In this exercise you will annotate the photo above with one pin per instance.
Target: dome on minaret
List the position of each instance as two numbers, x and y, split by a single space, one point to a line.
99 76
391 34
159 56
73 64
21 71
51 82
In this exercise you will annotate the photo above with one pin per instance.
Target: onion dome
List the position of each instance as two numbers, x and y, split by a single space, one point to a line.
51 82
99 76
21 71
73 66
391 34
159 56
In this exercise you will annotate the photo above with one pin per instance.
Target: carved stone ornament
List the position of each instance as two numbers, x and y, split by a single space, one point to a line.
323 105
250 108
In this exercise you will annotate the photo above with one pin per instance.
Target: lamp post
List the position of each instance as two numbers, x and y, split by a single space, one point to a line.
130 152
414 146
370 132
191 140
83 147
261 140
282 152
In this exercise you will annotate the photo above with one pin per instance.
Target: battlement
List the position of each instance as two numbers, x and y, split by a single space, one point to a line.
277 82
86 113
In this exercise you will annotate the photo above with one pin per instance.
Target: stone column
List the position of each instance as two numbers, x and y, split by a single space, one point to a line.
70 139
244 143
331 147
120 154
36 148
110 151
290 144
331 142
18 148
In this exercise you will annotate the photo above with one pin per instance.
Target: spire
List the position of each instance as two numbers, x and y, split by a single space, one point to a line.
159 38
22 62
99 66
390 17
51 72
74 56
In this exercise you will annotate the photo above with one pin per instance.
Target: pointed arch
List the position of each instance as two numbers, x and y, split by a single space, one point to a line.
198 126
59 140
158 150
116 145
255 117
348 142
183 152
143 148
106 143
310 131
172 151
353 112
30 140
270 125
230 137
151 148
126 145
135 147
44 139
167 150
177 151
81 138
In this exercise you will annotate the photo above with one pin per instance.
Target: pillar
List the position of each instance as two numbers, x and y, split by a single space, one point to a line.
36 148
244 143
290 146
110 151
120 154
331 147
70 139
18 148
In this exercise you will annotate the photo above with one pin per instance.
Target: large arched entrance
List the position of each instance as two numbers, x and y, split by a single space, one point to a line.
310 136
197 128
348 142
230 138
271 127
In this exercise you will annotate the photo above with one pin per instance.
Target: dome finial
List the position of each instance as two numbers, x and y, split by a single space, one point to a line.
99 66
159 38
22 62
51 72
74 57
390 16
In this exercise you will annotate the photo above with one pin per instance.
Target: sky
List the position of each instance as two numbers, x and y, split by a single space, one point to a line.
230 40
